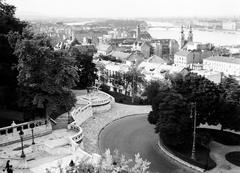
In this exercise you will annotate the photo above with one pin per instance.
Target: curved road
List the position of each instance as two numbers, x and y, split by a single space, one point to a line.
132 135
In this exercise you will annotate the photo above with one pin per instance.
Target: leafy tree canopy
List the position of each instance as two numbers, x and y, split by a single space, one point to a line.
8 74
45 76
86 69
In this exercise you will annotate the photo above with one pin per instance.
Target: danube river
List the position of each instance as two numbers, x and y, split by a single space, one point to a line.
217 38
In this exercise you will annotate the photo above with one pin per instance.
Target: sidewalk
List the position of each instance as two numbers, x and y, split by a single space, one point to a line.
218 152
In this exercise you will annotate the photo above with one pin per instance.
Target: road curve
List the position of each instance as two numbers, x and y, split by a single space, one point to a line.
132 135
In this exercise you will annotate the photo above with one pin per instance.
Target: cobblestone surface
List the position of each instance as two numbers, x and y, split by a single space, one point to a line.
93 126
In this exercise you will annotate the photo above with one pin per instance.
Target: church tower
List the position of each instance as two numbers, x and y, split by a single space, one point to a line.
138 31
181 38
190 34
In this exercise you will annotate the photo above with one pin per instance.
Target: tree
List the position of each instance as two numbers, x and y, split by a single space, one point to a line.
206 94
228 112
133 77
8 61
152 89
109 163
85 67
102 73
45 76
174 124
153 116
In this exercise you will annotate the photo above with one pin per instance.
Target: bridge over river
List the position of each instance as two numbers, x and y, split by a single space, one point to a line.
164 25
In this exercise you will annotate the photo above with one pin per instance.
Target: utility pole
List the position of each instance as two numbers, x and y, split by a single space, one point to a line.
133 89
194 130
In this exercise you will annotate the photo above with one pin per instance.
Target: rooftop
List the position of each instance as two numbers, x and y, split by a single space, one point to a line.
182 53
231 60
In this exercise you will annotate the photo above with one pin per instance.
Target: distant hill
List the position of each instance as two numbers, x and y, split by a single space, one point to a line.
28 15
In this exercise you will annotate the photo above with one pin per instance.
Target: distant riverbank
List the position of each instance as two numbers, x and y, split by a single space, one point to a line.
218 37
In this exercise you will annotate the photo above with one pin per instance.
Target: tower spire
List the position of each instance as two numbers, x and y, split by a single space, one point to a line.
190 34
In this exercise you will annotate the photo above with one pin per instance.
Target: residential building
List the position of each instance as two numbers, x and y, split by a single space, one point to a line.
135 58
80 34
231 25
142 47
156 49
186 58
227 65
208 23
104 49
156 71
199 46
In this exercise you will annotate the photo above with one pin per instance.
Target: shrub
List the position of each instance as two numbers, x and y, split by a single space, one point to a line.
121 100
105 88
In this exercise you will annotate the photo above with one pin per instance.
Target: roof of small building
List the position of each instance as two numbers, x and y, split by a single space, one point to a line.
86 48
120 49
121 55
135 56
224 59
183 53
103 47
145 35
156 59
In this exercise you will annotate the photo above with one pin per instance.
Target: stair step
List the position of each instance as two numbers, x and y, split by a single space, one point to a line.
16 170
46 159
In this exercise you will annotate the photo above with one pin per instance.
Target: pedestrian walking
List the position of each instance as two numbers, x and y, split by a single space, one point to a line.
8 167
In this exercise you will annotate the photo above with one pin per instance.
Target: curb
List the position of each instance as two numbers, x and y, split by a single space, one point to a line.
178 159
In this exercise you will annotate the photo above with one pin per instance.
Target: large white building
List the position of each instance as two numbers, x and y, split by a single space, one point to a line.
227 65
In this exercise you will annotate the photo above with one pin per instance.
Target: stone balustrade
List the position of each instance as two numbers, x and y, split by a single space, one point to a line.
10 134
76 140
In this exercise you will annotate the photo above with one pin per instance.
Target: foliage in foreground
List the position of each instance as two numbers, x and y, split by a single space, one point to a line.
215 104
109 163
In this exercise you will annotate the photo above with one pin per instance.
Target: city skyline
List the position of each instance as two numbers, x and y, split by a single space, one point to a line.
125 9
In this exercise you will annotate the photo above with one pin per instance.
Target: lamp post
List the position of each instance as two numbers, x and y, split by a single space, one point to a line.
21 136
32 126
71 165
194 130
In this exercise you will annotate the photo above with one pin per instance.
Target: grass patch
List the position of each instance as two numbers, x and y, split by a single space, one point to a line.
19 148
121 98
223 137
233 157
203 160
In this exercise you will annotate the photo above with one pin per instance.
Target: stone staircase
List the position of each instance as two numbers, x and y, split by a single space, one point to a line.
62 121
17 170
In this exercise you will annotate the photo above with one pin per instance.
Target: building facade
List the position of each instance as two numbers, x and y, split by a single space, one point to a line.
227 65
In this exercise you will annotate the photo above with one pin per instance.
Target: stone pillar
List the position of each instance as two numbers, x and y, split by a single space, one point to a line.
14 128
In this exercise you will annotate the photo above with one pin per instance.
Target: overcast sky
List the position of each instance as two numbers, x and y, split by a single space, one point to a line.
130 8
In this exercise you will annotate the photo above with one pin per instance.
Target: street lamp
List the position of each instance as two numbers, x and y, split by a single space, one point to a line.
32 126
21 136
71 165
194 130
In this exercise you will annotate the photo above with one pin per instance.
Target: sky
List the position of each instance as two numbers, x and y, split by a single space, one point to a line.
129 8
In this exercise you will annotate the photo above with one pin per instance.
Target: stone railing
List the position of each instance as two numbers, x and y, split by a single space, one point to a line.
76 140
112 99
10 134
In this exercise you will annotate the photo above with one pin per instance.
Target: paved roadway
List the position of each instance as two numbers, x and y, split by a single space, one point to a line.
132 135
